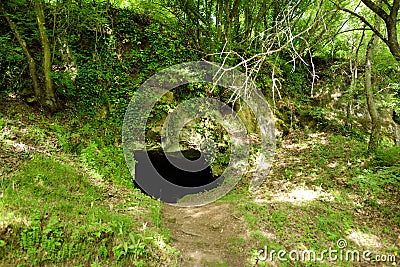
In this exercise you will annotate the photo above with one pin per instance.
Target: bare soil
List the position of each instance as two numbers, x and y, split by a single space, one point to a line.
204 234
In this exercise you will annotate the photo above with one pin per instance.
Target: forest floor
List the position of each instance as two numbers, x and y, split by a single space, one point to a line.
311 201
203 234
66 198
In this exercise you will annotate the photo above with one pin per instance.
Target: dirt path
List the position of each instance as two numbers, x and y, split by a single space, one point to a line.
204 234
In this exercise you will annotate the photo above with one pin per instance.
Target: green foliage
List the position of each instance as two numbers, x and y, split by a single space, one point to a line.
70 142
387 157
379 182
111 67
11 66
135 246
108 162
296 82
320 118
39 240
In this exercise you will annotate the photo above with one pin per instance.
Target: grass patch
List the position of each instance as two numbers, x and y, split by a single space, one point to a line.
363 201
52 213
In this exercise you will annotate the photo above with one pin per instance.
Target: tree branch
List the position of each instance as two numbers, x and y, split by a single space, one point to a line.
385 40
377 9
395 10
352 30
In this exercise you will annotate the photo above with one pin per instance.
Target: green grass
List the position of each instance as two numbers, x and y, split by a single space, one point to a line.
56 215
361 191
68 198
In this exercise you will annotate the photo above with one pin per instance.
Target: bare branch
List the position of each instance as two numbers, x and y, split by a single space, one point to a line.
353 30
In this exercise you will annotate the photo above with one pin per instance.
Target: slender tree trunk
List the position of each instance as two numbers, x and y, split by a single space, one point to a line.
354 76
353 70
396 129
49 96
219 21
396 134
31 61
373 112
246 21
348 123
228 26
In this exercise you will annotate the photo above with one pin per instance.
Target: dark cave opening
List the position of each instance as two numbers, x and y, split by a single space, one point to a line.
170 172
156 176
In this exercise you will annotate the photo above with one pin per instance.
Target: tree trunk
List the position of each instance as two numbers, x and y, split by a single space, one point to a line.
393 41
49 94
354 76
391 21
373 112
396 134
396 128
219 21
31 61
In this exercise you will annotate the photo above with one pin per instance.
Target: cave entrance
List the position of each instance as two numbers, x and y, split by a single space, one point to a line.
157 176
